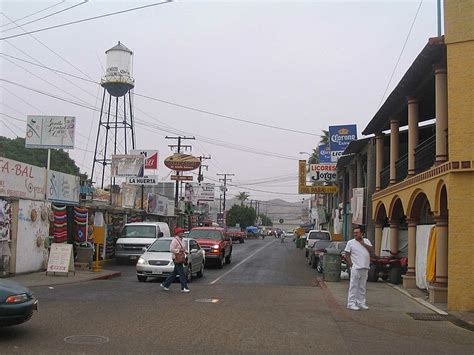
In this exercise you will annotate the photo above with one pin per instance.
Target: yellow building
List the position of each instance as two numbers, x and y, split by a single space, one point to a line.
423 180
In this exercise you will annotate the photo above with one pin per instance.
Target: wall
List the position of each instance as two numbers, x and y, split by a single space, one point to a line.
29 256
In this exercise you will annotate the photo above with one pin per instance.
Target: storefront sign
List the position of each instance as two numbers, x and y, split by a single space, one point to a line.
181 178
129 195
182 162
323 172
50 132
63 187
336 155
160 205
324 154
341 136
195 192
151 158
21 180
305 189
60 258
127 165
145 180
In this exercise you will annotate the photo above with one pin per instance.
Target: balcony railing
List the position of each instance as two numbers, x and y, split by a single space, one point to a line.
425 155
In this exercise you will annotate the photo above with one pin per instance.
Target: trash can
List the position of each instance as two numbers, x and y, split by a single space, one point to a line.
302 242
332 265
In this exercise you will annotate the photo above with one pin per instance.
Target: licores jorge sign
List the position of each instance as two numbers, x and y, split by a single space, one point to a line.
323 172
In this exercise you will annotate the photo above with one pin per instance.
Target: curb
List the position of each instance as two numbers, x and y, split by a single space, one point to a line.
109 276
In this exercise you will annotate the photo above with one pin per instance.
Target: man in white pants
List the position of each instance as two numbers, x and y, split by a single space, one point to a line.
358 251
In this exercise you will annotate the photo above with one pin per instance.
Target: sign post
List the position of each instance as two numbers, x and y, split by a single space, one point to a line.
61 259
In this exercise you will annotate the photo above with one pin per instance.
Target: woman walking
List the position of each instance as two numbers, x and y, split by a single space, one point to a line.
178 251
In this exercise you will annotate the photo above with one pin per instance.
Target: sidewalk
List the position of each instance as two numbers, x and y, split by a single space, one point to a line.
41 279
387 299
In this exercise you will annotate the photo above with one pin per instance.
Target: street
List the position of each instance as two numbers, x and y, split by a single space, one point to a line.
267 301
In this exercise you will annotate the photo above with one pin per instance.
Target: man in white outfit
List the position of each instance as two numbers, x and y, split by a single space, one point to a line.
358 251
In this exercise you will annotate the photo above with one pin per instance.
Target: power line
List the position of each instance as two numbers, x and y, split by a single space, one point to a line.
401 52
42 18
35 13
86 19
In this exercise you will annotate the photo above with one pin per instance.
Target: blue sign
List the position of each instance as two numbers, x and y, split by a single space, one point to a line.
324 154
341 136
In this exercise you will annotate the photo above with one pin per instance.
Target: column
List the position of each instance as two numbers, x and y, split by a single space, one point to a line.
394 236
441 106
378 237
409 280
438 292
413 106
394 150
378 159
370 223
360 171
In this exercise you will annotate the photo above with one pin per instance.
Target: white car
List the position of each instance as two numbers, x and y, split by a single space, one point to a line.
157 260
313 236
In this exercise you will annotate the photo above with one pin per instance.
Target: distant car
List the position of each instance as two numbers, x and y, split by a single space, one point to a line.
236 234
315 250
17 303
340 246
313 236
216 244
157 261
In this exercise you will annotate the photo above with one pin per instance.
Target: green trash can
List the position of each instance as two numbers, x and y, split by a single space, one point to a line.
332 265
303 242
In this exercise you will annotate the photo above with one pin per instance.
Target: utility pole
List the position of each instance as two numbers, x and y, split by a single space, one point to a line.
225 180
201 158
178 146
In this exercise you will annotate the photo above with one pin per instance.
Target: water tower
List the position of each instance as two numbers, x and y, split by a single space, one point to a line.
115 134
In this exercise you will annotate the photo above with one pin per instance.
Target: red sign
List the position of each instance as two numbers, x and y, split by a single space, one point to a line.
151 158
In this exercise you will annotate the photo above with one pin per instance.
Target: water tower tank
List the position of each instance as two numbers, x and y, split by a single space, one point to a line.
118 78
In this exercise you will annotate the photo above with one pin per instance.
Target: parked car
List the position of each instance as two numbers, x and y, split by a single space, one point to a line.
17 303
157 261
217 246
313 236
315 250
135 238
235 233
340 246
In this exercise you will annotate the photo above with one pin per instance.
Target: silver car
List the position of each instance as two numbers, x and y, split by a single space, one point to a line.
157 260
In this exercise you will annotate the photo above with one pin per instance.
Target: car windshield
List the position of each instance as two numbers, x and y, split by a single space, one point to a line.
321 244
233 230
160 246
139 232
319 235
205 234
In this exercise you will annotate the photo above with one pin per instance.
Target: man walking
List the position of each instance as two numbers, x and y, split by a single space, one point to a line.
177 249
358 251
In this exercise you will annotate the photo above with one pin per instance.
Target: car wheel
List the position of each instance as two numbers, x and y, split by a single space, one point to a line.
141 278
189 273
319 267
200 273
228 259
221 262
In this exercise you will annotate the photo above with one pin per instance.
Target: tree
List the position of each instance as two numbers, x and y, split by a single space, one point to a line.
243 215
265 220
15 149
242 197
324 140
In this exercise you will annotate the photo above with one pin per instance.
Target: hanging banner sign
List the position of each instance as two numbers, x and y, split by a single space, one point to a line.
323 172
127 165
21 180
182 162
50 132
151 157
308 189
145 180
341 136
129 194
181 178
324 154
63 188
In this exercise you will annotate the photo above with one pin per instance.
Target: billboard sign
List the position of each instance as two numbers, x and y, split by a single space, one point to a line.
63 188
324 154
22 180
145 180
159 205
195 192
322 172
50 132
309 189
182 162
341 136
151 157
127 165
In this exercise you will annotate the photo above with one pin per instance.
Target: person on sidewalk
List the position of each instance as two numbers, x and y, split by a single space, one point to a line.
357 254
177 247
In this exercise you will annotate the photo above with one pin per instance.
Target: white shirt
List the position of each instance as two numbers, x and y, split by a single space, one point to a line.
360 256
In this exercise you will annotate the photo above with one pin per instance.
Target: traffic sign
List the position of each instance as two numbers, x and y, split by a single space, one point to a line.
281 220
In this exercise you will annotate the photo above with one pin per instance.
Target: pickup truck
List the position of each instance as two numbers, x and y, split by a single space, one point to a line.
235 233
214 242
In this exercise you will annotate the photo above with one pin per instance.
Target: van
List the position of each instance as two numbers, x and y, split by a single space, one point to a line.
313 236
135 238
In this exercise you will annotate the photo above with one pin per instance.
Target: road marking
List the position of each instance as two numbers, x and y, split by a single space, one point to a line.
243 261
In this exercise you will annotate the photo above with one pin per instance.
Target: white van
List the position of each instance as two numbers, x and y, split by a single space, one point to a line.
137 237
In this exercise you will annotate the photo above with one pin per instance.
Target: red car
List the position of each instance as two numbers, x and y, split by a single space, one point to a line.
214 242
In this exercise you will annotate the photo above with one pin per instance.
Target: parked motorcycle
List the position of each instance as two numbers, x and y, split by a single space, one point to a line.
389 268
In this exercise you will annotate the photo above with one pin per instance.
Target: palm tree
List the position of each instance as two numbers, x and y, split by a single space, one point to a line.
324 140
242 197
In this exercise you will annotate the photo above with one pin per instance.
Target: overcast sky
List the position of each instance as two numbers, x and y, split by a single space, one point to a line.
297 65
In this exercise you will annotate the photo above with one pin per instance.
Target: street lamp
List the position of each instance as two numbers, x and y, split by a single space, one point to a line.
306 153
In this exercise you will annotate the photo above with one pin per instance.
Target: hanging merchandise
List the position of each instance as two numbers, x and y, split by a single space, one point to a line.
80 224
60 224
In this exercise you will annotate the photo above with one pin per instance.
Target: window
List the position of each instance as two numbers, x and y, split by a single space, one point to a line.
319 235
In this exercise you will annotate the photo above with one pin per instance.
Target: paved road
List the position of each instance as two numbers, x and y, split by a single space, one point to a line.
267 301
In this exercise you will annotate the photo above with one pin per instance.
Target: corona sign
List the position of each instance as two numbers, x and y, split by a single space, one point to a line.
309 189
